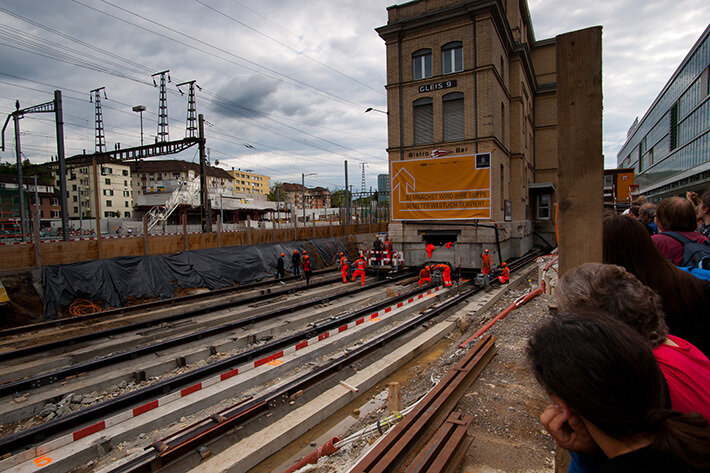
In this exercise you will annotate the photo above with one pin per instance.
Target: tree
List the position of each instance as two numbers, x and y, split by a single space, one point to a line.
339 198
277 193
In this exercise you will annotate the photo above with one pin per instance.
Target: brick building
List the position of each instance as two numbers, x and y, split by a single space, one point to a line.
467 77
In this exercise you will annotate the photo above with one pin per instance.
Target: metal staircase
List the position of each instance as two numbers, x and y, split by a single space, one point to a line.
184 194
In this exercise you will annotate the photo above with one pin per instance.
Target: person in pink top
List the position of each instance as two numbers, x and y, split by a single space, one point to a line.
611 289
675 214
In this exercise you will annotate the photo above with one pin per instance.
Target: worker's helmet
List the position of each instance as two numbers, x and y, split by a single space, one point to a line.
305 252
295 251
283 254
503 264
306 257
486 250
427 268
341 254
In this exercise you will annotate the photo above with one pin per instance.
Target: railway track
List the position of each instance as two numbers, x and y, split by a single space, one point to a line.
248 409
42 337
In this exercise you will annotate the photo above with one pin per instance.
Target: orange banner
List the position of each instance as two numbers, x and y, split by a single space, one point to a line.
450 188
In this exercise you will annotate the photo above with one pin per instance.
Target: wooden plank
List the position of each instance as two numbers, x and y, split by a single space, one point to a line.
579 143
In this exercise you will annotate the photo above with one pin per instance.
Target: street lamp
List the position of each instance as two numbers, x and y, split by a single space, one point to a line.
370 109
140 109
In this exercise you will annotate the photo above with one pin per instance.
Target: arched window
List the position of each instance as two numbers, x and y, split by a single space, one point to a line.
423 121
421 62
452 57
453 116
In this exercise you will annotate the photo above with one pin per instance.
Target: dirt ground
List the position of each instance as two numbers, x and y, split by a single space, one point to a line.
505 400
25 306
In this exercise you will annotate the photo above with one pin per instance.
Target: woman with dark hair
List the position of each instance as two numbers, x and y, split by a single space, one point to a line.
686 299
600 374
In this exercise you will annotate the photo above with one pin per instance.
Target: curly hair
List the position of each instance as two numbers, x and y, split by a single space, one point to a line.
612 289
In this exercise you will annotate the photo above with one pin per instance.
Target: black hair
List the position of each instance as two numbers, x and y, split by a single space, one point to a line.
606 373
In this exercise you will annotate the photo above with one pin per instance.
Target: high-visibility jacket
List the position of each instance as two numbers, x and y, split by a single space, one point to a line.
429 250
485 263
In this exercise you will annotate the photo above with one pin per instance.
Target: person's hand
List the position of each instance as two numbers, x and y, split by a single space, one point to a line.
568 430
692 197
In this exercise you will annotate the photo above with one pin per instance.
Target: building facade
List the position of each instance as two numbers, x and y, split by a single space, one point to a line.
467 77
248 182
113 183
669 148
316 197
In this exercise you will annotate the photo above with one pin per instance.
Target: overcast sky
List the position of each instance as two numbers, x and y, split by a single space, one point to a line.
285 83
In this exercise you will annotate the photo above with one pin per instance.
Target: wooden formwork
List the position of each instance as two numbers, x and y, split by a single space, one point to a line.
17 257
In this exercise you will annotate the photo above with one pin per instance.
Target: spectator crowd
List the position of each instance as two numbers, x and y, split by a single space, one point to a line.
624 360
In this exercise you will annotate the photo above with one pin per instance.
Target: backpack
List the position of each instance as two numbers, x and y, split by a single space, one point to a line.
696 255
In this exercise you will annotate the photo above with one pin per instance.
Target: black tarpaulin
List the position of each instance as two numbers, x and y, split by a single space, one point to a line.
115 280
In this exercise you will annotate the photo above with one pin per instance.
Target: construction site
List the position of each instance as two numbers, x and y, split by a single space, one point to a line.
258 337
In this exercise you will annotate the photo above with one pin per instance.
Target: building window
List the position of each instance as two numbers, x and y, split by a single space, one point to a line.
109 203
125 203
124 172
543 207
54 202
107 181
453 116
76 210
108 191
452 57
423 121
73 187
674 126
502 124
55 213
127 214
421 61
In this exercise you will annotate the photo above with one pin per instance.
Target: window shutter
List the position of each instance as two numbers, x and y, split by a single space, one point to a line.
423 121
453 117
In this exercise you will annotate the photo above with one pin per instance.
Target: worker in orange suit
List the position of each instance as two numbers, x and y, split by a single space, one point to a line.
429 250
388 249
485 262
445 273
359 270
505 275
449 244
425 276
343 263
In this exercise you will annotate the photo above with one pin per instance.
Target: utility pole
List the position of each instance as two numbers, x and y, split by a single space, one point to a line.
204 196
190 126
347 196
303 193
56 107
20 178
362 185
163 130
100 141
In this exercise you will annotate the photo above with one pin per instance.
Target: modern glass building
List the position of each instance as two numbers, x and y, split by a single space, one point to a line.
669 148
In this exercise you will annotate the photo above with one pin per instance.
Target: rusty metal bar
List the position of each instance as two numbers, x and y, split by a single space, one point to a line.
391 454
444 452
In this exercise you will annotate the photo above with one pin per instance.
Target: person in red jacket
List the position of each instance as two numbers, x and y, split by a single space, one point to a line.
429 250
485 262
505 275
343 267
388 250
307 269
425 276
359 270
